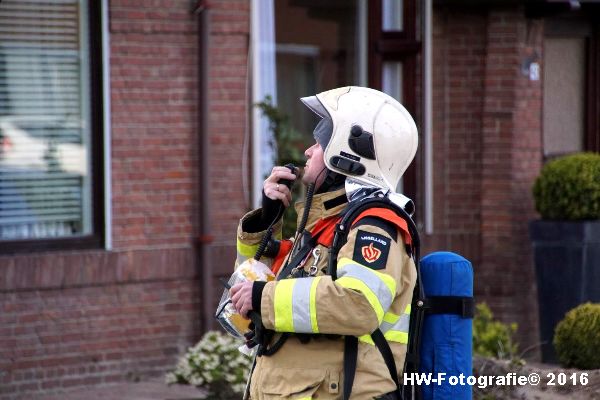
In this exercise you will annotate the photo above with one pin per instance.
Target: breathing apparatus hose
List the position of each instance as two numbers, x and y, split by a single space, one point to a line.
310 191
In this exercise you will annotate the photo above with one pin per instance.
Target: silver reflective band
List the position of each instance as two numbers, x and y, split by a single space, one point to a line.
377 286
301 305
401 324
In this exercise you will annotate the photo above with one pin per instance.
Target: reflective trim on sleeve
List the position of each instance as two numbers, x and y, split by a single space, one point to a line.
304 305
296 305
313 304
358 285
378 288
282 300
245 251
366 339
394 328
397 336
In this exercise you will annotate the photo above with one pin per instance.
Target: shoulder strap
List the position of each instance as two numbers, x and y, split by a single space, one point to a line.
350 358
390 216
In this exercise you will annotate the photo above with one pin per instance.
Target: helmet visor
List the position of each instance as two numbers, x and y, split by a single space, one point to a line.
315 106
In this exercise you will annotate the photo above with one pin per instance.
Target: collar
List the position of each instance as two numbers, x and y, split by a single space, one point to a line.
324 205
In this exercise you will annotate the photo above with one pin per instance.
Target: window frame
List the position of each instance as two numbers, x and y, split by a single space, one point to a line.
96 239
590 12
401 46
592 94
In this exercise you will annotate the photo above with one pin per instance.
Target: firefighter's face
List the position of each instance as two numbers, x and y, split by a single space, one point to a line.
314 166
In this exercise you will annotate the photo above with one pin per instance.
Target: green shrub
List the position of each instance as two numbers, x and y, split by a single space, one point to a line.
492 338
568 188
577 337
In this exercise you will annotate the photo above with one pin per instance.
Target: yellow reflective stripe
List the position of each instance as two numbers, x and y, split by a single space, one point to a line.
366 339
407 309
390 318
396 336
246 250
391 336
282 300
356 284
313 304
389 282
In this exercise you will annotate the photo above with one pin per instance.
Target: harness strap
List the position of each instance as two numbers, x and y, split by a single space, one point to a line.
350 357
462 306
388 357
298 257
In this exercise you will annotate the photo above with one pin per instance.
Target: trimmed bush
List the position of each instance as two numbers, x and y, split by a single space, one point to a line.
577 337
568 188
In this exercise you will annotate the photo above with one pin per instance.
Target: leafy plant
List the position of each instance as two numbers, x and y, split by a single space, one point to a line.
493 338
568 188
215 363
577 337
289 146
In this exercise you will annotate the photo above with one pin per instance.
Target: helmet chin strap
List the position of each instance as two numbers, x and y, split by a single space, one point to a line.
333 181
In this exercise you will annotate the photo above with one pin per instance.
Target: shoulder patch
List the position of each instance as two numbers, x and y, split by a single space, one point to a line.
371 249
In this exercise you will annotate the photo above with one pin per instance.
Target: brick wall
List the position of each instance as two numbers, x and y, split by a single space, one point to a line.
76 318
511 143
487 135
458 68
228 116
228 165
79 319
153 60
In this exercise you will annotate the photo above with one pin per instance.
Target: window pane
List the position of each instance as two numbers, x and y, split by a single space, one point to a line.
564 78
316 51
392 15
391 83
391 79
44 120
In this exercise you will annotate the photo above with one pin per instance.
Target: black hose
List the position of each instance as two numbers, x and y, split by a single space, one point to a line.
310 192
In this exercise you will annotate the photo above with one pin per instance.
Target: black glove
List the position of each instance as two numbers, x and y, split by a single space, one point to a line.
270 210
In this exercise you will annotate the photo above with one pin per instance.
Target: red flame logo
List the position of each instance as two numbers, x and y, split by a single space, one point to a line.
370 253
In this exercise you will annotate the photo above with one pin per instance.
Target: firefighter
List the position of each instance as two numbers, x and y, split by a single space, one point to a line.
364 139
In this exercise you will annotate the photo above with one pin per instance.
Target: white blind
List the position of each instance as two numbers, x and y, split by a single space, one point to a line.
44 120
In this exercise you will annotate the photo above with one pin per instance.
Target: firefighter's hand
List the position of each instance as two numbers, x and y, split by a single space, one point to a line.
278 191
241 297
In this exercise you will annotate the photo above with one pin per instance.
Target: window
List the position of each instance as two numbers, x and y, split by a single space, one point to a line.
571 109
321 45
393 50
564 99
50 128
322 57
301 48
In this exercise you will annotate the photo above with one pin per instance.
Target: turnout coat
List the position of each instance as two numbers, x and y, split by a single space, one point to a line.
373 289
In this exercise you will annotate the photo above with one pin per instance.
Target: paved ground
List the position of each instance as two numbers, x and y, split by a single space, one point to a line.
156 389
148 390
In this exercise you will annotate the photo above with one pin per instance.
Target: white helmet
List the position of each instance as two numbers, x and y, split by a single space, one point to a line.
374 138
